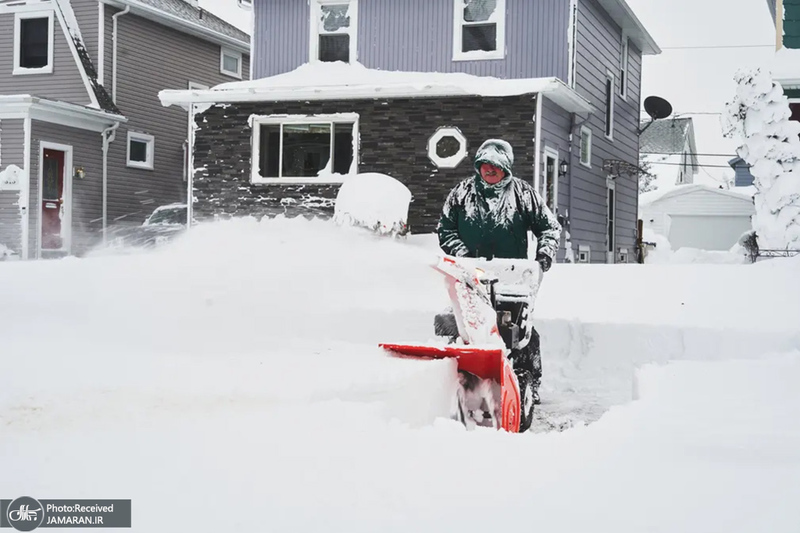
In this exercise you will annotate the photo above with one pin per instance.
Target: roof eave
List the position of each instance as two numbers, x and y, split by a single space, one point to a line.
59 112
156 15
622 14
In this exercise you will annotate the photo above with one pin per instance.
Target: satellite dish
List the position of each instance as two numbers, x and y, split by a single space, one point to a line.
657 108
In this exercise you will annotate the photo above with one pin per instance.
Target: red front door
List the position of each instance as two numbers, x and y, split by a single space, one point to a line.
52 199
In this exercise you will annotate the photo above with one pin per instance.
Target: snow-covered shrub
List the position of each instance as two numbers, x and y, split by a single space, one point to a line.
6 253
374 201
760 118
749 243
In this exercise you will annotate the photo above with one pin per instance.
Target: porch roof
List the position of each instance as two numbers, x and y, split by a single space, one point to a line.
57 112
342 81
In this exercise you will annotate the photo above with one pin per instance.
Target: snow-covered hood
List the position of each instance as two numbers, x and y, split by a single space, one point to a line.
499 153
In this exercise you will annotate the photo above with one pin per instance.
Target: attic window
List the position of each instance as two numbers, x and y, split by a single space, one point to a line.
333 30
304 148
33 43
479 29
230 63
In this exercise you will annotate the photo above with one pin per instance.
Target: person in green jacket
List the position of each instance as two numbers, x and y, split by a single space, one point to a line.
489 215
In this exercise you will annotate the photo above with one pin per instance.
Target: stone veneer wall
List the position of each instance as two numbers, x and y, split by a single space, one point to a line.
394 137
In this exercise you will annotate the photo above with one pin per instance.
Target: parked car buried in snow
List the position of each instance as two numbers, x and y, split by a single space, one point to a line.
164 223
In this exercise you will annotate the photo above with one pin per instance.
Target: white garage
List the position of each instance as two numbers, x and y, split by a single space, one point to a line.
697 216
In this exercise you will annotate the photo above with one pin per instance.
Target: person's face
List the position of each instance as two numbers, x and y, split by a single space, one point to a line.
491 174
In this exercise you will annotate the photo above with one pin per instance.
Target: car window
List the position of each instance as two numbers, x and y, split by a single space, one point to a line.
168 216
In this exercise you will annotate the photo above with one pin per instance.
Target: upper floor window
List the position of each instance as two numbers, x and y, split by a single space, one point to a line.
33 43
230 63
140 150
609 105
334 25
623 67
586 146
479 29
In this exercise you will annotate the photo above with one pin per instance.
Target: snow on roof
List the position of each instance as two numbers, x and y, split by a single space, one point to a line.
337 80
785 67
649 198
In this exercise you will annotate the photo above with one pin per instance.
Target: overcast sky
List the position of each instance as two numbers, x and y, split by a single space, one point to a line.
700 80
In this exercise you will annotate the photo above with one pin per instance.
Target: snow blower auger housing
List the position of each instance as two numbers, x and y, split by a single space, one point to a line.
488 331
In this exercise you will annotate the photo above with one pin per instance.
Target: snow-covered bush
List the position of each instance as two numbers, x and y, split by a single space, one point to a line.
6 253
760 119
374 201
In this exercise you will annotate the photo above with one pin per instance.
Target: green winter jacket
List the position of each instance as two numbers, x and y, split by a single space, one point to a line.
483 220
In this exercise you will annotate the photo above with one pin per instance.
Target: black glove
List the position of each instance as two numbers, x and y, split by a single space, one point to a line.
545 261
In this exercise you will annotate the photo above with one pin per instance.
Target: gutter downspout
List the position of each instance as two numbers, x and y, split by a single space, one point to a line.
114 45
109 134
537 142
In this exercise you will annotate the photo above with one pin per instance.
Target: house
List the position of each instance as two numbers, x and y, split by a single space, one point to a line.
668 147
742 176
412 90
698 216
786 64
84 141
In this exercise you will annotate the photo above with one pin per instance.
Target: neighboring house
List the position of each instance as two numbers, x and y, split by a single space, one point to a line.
698 216
84 141
411 90
669 147
743 177
786 65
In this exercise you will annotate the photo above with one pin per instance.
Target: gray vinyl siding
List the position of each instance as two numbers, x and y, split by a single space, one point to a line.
599 46
555 134
417 35
152 57
64 83
87 194
12 147
86 11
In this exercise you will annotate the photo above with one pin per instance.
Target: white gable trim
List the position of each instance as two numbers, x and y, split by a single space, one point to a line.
72 115
72 48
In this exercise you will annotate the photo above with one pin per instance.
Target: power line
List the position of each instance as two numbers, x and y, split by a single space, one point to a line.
718 47
681 164
689 153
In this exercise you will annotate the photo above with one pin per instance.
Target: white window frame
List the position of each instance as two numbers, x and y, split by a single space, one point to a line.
551 153
608 127
587 164
233 53
151 149
454 160
498 18
19 70
316 16
257 121
611 208
623 66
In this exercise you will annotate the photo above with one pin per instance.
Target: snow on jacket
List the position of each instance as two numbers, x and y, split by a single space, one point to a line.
483 220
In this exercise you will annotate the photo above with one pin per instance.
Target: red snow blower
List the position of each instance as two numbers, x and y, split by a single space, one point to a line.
488 331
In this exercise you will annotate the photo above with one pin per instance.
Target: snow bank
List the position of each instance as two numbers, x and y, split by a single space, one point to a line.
240 361
375 201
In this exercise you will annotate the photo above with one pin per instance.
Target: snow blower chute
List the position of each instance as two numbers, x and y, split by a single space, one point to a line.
488 331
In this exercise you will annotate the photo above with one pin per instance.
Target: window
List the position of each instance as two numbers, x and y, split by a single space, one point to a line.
548 188
623 67
479 29
447 147
304 148
794 105
33 43
609 105
140 150
230 63
586 147
611 219
334 27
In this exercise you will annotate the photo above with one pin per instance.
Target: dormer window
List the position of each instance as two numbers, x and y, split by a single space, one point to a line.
33 43
479 29
334 26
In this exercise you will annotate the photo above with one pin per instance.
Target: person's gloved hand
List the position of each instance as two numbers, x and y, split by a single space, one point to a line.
545 261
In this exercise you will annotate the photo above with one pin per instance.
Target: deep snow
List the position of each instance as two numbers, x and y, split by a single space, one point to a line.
232 380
